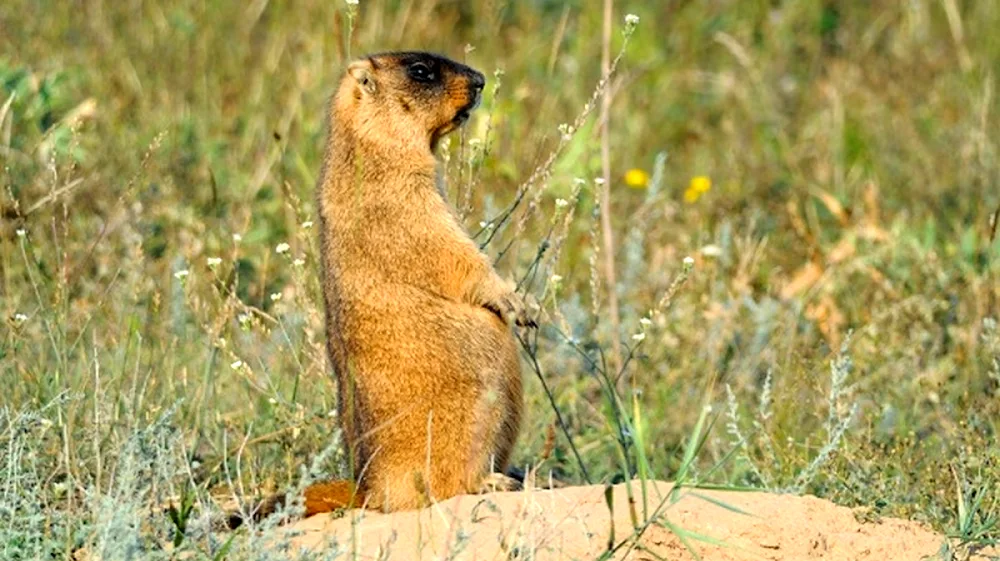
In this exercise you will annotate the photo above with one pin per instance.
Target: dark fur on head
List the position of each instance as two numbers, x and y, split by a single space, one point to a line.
424 91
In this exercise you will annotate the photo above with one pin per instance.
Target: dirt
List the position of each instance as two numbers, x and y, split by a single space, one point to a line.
575 523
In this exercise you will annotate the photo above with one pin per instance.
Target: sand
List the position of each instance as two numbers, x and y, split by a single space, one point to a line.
575 523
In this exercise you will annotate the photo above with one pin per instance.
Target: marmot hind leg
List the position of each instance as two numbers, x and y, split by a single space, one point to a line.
393 488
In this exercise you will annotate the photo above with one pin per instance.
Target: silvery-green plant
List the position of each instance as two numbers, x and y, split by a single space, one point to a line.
841 411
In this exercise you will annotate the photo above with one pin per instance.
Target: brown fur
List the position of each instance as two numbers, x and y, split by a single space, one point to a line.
418 322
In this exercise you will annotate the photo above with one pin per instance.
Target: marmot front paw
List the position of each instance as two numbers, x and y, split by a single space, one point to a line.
511 308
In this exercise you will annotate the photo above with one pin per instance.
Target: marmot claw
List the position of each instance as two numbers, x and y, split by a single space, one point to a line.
512 308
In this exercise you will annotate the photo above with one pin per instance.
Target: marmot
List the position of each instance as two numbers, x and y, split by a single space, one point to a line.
418 321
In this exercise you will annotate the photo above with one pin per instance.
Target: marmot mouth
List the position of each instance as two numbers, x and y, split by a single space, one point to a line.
462 116
464 113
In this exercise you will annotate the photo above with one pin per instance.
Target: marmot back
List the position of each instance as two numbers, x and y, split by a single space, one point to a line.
418 322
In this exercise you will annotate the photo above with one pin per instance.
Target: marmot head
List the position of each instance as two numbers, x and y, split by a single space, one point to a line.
408 98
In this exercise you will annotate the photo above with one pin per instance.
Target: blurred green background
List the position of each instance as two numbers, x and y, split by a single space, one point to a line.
830 166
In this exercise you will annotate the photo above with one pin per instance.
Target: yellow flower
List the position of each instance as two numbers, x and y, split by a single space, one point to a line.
636 178
700 184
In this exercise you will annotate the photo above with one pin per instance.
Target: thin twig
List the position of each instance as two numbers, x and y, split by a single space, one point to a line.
607 236
543 170
530 350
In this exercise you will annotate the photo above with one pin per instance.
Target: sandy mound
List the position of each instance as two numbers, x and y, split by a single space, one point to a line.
574 523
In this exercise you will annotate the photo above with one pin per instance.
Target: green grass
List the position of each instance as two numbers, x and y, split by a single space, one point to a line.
854 173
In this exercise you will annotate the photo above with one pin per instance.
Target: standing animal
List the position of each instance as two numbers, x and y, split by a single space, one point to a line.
418 321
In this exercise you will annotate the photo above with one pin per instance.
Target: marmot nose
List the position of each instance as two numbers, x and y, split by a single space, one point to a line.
477 81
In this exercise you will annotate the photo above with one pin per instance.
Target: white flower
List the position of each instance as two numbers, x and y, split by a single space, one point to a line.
275 296
556 279
332 413
484 224
213 261
579 181
21 232
351 2
566 131
646 322
711 250
562 203
638 337
631 19
236 365
282 248
299 262
180 275
689 261
20 318
237 238
599 180
307 224
244 319
271 400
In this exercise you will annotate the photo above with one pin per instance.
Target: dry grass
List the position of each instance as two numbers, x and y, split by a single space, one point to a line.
830 168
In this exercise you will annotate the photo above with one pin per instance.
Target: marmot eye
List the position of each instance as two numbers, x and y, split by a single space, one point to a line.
421 72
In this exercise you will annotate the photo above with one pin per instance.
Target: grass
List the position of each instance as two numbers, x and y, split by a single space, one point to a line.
829 167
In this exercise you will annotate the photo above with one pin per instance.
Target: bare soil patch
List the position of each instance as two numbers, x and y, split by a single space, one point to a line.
575 523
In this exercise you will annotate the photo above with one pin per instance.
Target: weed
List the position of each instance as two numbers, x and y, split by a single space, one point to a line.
830 171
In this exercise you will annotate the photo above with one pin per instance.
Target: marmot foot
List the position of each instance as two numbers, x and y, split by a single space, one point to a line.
495 482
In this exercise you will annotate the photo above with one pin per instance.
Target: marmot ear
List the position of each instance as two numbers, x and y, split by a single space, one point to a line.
362 73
